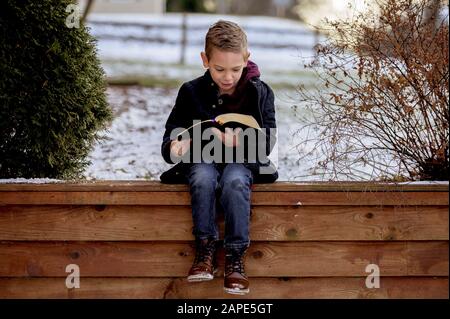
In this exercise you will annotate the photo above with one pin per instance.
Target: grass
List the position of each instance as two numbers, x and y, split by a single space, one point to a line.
172 75
146 81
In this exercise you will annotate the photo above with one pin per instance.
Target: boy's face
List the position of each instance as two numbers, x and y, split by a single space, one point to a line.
225 68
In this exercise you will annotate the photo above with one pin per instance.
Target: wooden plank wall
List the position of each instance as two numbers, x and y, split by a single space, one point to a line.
309 240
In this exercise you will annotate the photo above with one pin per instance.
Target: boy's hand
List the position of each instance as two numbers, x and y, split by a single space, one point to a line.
230 138
179 148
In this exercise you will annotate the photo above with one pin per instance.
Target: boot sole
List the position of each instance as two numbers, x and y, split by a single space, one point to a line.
201 277
236 291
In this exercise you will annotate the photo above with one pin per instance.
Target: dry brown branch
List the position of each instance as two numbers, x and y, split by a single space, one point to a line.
385 102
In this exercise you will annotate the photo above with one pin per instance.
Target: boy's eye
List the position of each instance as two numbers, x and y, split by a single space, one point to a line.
234 70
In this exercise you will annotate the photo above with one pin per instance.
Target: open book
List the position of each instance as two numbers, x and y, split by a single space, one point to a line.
227 118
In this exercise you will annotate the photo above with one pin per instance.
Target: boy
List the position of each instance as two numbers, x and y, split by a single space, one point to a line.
231 84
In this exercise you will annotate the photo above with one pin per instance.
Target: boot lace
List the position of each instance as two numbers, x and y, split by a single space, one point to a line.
205 252
235 262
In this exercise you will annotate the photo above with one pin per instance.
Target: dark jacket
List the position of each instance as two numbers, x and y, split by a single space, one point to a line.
199 100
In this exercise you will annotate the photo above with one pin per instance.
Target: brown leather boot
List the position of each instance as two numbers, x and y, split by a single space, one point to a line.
236 281
204 263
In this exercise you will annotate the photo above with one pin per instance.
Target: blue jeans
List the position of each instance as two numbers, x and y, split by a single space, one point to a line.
231 183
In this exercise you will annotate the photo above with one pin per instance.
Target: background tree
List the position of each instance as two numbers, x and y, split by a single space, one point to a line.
52 91
382 110
185 6
87 9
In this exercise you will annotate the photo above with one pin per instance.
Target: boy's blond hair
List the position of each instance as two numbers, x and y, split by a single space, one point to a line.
226 36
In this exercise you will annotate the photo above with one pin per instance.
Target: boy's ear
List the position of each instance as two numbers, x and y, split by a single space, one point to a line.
205 60
246 58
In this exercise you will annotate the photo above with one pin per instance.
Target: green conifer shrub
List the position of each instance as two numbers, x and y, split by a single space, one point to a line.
52 91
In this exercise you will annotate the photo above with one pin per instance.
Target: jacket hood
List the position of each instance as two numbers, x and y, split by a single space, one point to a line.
252 70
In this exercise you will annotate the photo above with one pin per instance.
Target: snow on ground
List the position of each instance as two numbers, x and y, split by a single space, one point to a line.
131 148
30 181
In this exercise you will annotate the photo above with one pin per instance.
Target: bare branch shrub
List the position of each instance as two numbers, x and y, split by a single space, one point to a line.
382 111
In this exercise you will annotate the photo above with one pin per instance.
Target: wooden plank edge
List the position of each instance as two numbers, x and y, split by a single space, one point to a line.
179 288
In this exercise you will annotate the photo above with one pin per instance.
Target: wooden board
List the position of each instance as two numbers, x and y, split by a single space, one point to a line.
273 288
156 186
276 223
258 198
283 259
133 239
